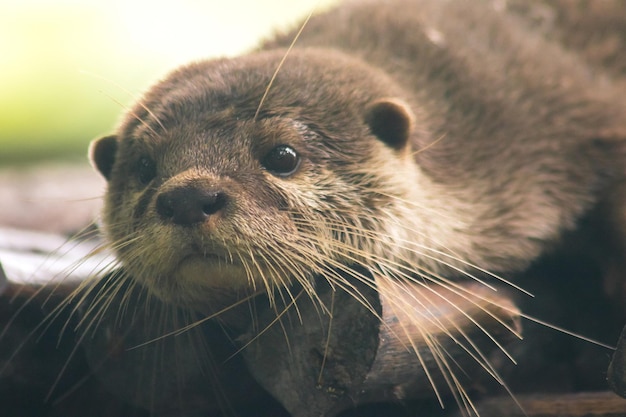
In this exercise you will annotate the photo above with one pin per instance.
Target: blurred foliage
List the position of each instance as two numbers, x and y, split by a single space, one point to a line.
68 68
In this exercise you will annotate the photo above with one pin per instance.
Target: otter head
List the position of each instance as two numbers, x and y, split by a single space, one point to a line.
210 194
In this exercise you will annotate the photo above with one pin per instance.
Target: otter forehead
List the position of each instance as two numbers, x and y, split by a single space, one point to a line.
310 85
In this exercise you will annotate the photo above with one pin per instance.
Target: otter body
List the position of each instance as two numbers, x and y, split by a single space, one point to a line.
409 138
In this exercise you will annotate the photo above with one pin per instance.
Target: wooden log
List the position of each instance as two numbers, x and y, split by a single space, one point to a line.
585 404
417 342
42 374
616 374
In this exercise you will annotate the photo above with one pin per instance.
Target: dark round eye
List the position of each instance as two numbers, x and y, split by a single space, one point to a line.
281 161
146 170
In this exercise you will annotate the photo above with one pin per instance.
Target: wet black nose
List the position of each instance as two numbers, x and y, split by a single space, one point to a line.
189 205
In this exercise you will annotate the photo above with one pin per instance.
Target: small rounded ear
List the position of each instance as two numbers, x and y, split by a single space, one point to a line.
102 154
391 120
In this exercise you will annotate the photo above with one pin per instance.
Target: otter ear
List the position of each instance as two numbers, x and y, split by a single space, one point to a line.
102 154
391 120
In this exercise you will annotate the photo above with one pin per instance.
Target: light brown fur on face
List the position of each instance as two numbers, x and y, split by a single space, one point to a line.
426 145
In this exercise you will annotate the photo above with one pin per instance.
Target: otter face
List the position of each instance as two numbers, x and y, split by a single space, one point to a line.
205 198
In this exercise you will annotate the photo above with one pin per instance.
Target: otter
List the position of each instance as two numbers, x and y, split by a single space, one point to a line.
384 141
417 140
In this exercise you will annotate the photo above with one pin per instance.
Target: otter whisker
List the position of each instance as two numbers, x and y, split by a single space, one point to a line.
249 274
402 243
276 319
279 285
432 345
435 347
488 368
567 332
129 93
432 318
281 63
130 112
428 146
383 261
111 286
272 302
328 333
195 323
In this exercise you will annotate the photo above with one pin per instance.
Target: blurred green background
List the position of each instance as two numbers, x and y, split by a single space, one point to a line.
68 68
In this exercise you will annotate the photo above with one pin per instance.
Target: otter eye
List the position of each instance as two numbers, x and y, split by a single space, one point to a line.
146 170
281 161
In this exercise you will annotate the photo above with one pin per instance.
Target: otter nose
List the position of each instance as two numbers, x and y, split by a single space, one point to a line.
188 205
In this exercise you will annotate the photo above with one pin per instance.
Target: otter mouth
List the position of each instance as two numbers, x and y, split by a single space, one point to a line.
211 258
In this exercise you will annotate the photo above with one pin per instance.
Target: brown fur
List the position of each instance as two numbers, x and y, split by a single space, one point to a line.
526 138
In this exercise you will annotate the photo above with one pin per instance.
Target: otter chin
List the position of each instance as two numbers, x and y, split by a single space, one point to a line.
368 146
195 269
195 278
